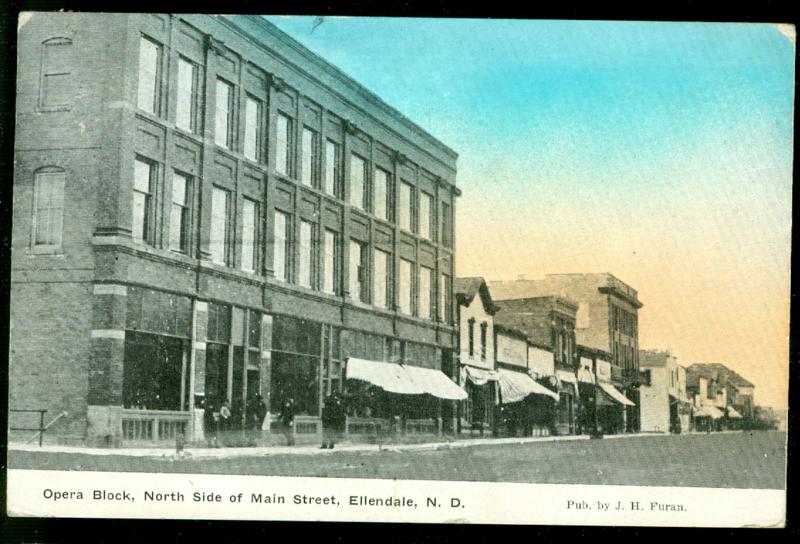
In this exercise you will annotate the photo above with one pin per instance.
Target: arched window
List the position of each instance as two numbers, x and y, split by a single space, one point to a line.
48 208
56 73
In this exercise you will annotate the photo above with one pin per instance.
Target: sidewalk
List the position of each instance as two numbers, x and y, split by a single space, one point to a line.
232 452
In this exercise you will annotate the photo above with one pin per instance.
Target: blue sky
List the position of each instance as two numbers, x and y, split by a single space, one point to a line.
660 152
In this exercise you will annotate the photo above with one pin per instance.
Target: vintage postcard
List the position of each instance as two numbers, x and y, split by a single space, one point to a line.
401 270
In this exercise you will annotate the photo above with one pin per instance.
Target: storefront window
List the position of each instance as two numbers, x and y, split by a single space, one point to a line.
296 350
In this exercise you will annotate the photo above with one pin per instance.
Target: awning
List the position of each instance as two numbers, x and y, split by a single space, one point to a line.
614 393
480 376
404 379
708 411
675 399
434 382
585 375
733 413
515 386
566 376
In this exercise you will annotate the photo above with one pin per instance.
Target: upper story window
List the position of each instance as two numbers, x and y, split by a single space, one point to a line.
48 208
179 213
249 234
425 208
358 271
329 266
283 144
149 75
357 182
471 336
447 226
382 194
252 129
143 180
406 294
56 73
219 243
308 170
280 246
186 106
425 281
305 269
444 294
405 208
223 118
333 167
484 328
381 283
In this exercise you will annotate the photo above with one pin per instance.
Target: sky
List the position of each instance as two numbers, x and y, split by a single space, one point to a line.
659 152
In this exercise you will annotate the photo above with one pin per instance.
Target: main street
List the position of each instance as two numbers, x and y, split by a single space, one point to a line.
736 460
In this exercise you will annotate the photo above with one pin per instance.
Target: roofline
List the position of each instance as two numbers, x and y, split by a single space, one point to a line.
288 40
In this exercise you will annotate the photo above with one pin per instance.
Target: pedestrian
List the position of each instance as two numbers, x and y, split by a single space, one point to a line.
287 421
224 421
334 419
210 424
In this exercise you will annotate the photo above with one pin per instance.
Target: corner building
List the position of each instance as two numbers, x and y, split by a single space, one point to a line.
205 210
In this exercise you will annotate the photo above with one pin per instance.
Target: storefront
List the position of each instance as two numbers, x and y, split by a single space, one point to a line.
611 408
587 413
482 398
526 406
679 415
397 398
567 411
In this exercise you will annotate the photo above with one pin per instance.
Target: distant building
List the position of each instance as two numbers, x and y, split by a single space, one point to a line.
606 319
718 395
663 404
550 321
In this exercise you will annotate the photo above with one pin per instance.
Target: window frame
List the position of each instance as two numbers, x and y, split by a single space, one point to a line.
157 77
289 142
186 212
45 71
403 291
148 219
285 238
193 96
35 217
226 245
335 168
333 269
255 242
310 170
425 270
308 252
354 159
229 117
387 279
258 153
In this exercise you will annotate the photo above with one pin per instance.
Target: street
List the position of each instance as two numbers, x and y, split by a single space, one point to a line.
733 460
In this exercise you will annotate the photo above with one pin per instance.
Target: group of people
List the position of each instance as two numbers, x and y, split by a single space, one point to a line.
219 422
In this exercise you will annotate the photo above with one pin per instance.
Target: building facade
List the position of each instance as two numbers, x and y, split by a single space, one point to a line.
664 404
721 398
550 321
606 319
476 353
204 210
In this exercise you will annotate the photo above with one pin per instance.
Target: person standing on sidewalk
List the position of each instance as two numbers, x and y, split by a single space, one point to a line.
224 421
210 424
287 421
333 420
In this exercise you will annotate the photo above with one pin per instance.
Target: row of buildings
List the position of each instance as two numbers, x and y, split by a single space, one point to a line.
206 211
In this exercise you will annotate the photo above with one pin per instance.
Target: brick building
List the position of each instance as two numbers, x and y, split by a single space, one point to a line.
205 210
606 319
549 321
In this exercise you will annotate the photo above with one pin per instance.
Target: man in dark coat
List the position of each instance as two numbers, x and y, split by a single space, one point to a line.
333 420
287 421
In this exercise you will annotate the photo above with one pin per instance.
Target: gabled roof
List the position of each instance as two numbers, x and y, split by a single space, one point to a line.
717 371
465 290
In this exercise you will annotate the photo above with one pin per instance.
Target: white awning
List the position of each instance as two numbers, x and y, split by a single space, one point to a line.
480 376
434 382
515 386
404 379
733 413
566 376
585 375
708 411
615 394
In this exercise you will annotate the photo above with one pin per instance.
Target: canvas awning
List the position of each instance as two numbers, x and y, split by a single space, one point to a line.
566 376
404 379
733 413
515 386
615 394
480 376
708 411
585 375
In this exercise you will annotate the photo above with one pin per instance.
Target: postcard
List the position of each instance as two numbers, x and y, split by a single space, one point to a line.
400 270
